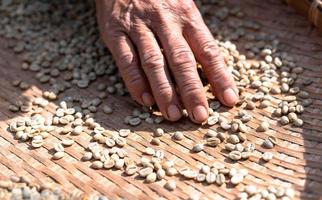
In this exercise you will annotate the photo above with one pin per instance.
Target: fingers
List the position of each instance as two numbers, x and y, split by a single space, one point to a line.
128 64
183 67
208 55
155 68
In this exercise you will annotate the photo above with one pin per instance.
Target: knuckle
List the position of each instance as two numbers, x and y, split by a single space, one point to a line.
117 20
133 81
220 75
164 89
187 8
156 7
126 60
182 57
189 13
152 60
210 51
114 27
112 22
190 88
114 18
133 77
109 35
135 92
130 71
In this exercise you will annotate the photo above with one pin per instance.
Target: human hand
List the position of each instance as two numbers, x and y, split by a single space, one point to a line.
135 31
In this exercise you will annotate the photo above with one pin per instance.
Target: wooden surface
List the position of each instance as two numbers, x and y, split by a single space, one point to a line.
298 160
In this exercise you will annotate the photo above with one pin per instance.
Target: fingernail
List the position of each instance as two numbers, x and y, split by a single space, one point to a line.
200 113
230 97
147 99
173 112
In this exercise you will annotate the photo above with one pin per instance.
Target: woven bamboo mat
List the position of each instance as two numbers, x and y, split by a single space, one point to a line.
297 161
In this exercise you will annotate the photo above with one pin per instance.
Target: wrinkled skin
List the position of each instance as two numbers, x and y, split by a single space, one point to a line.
135 31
